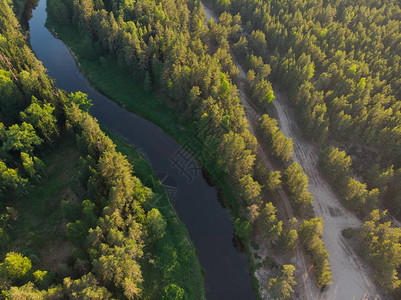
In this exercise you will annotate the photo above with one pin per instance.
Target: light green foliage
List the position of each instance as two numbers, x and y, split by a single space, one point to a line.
250 190
42 118
349 94
43 278
27 291
380 244
297 184
20 138
379 178
336 165
259 88
115 248
3 43
87 287
14 266
280 287
156 224
173 292
310 232
6 84
289 236
257 42
359 197
81 100
33 166
236 159
273 182
281 146
271 225
11 179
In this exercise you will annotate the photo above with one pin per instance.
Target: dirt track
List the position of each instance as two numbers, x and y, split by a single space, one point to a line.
351 278
308 289
306 286
350 275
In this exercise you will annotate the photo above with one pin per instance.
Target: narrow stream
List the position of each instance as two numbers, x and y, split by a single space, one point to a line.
208 223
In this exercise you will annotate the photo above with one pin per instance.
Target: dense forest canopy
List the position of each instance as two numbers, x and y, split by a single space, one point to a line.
97 212
171 47
337 60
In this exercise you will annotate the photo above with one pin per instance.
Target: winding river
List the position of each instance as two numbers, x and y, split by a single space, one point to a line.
208 223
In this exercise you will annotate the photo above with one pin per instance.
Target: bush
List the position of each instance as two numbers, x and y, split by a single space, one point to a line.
77 232
15 266
173 292
70 210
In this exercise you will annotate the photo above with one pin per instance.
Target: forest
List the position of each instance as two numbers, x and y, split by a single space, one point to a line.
109 240
336 61
339 64
185 64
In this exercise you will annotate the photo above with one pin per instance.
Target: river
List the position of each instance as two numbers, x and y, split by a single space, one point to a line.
196 202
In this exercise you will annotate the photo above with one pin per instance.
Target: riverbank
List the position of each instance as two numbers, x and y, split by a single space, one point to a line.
117 83
189 273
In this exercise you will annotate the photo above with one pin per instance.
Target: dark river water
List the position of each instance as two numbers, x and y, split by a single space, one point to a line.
196 202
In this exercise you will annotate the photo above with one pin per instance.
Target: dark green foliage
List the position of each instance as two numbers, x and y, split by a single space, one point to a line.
70 210
347 233
339 64
77 232
194 68
242 228
10 101
89 213
109 229
58 9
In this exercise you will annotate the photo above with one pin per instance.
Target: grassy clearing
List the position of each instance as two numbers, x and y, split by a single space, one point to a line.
39 230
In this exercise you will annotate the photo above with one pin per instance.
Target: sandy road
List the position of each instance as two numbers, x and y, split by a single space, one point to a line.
307 287
350 275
